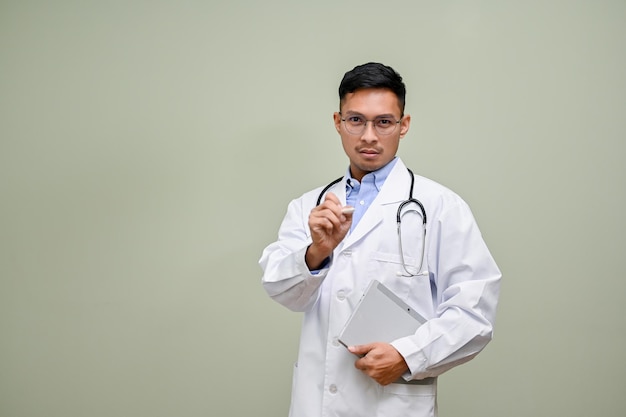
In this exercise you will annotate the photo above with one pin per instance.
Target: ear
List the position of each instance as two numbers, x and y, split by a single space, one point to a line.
405 124
337 120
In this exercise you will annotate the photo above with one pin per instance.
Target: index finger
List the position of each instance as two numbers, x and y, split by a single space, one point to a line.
332 197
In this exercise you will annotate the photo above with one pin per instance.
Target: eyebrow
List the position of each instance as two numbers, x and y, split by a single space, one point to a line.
355 113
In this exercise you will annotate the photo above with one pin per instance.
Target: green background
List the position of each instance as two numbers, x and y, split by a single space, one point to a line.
148 151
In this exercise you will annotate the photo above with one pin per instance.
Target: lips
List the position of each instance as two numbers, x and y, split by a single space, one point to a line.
369 153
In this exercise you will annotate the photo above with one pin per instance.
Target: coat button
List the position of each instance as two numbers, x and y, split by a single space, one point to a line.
332 389
341 295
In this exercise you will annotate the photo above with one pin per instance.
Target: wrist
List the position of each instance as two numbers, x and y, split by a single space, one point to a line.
315 258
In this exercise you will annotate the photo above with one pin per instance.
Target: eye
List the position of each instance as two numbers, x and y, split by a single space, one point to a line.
385 122
355 120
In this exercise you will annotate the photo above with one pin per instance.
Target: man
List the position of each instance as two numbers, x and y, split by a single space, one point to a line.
326 256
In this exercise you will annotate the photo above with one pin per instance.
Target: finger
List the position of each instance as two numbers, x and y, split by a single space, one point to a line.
360 350
323 225
326 219
343 212
332 198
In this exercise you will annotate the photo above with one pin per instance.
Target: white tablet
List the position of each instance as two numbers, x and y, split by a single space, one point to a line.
380 316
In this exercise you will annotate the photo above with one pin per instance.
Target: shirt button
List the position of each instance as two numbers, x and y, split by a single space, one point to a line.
332 389
341 295
362 202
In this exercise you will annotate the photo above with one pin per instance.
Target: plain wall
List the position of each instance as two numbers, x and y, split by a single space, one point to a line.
148 151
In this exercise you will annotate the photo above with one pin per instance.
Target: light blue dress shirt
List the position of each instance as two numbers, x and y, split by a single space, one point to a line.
361 194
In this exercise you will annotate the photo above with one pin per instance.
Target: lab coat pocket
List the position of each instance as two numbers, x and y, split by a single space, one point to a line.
415 290
407 400
388 269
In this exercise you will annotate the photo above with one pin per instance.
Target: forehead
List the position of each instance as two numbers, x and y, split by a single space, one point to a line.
371 102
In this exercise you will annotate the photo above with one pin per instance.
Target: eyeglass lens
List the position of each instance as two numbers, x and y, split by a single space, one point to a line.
383 125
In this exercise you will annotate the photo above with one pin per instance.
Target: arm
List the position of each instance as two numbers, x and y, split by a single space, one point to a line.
467 283
300 249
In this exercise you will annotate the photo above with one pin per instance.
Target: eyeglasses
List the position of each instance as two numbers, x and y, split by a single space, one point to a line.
384 126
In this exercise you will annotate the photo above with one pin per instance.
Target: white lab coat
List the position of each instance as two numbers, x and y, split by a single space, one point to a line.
458 297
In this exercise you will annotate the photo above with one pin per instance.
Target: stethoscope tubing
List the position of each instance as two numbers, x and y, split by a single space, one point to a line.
399 214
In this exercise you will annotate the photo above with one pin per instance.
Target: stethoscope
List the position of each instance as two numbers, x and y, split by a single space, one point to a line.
399 216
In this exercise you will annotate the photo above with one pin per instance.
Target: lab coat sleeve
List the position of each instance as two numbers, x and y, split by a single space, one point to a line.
467 283
286 277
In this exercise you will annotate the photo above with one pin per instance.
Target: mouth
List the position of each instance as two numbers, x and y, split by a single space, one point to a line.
369 153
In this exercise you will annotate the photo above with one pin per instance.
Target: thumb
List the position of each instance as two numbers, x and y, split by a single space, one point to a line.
360 350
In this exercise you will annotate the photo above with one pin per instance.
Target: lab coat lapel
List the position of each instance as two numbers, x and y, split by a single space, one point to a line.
394 190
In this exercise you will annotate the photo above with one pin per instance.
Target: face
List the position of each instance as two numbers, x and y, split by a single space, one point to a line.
370 150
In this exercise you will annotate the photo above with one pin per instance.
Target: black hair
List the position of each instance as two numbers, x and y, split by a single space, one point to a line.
373 75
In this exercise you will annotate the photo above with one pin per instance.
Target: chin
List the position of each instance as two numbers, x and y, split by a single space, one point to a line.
372 165
367 168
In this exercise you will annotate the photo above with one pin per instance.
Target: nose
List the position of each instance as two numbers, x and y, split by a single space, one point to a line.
369 134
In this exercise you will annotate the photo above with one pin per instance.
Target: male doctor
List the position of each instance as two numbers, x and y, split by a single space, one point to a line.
325 257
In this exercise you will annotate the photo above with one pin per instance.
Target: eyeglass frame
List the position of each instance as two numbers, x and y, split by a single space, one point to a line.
373 122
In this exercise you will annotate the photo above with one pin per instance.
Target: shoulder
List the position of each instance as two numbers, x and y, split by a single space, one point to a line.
336 185
306 201
432 186
437 197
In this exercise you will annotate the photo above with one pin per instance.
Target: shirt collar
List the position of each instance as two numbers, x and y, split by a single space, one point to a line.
379 175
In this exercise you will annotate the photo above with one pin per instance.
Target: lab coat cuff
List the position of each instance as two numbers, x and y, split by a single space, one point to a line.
323 268
415 359
316 273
